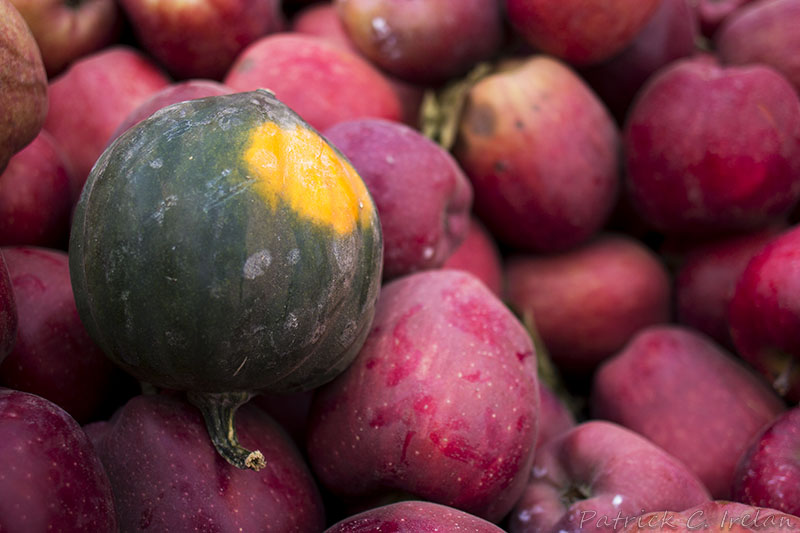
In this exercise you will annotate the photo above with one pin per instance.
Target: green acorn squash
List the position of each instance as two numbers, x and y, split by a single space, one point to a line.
223 247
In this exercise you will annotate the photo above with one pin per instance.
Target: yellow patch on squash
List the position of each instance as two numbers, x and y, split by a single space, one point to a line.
298 167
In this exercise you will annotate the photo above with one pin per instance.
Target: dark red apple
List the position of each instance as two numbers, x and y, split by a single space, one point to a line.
479 255
441 403
716 517
8 311
413 517
167 476
53 357
90 99
764 314
588 302
763 32
424 41
541 151
66 30
36 196
51 479
23 93
686 394
598 475
422 195
768 474
580 31
200 39
713 149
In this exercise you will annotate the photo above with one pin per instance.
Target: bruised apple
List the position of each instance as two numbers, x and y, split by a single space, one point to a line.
441 403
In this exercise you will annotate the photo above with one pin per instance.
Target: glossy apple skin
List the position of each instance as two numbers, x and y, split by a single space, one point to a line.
67 30
91 98
413 517
686 394
345 86
716 517
23 97
763 32
541 152
167 476
764 316
8 311
479 255
441 402
706 279
36 196
52 479
578 478
200 39
588 302
580 32
713 149
768 474
422 195
424 41
53 357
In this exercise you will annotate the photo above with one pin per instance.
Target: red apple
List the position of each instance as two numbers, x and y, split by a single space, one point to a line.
712 13
768 474
200 39
8 311
23 93
424 41
66 30
712 149
36 196
413 517
324 83
597 476
422 195
54 357
554 416
764 314
587 303
686 394
580 31
716 517
541 151
167 476
441 402
52 479
763 32
479 255
90 99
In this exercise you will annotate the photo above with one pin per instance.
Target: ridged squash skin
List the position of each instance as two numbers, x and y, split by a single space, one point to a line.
224 245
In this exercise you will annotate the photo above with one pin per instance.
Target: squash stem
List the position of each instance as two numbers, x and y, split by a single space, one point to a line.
218 410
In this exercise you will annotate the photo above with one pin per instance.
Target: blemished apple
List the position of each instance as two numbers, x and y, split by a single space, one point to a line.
66 30
685 393
166 475
768 474
541 151
8 311
424 41
413 517
712 149
200 39
441 403
706 278
717 516
322 82
763 32
479 255
580 32
53 356
23 94
764 316
588 302
580 482
52 478
36 196
90 99
422 195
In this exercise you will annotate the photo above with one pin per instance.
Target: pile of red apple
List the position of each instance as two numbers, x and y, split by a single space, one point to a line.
590 310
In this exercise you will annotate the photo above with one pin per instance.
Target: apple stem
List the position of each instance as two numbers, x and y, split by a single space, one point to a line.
218 410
